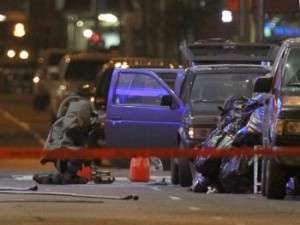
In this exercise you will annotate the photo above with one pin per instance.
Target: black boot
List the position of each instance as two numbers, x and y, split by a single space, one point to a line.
47 178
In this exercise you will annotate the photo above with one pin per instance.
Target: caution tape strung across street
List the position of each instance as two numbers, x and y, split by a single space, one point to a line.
10 153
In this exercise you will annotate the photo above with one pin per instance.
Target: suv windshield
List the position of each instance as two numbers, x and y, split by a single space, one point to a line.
210 90
291 74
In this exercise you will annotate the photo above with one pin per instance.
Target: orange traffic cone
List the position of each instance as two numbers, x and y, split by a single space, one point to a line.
85 172
139 169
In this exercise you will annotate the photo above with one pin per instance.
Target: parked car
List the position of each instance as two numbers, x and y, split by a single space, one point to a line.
16 77
47 70
216 70
76 70
281 126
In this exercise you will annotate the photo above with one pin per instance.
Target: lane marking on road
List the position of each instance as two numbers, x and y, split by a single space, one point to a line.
121 178
155 188
22 177
25 126
192 208
216 217
175 198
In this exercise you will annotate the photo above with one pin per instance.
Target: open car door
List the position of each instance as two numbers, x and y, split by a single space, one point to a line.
143 110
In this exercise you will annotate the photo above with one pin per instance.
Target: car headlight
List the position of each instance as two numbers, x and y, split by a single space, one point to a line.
287 127
292 128
278 128
198 132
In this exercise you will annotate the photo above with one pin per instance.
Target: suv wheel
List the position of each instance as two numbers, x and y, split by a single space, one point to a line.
174 172
276 179
184 170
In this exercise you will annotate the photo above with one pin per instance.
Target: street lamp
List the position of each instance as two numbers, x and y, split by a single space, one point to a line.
2 18
108 18
19 30
226 16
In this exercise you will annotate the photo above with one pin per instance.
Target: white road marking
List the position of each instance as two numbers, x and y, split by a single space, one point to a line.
175 198
22 177
155 188
23 125
194 208
121 178
216 217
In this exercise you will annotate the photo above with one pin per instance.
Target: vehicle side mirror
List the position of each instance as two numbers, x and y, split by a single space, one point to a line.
166 100
263 84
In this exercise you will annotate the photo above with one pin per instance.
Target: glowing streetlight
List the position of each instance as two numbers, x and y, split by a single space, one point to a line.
19 30
226 16
2 18
108 18
11 53
87 33
24 54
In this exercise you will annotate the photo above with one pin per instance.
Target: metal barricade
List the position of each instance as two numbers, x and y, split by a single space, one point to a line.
257 165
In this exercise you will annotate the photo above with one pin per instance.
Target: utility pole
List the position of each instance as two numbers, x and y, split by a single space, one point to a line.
27 9
260 20
244 20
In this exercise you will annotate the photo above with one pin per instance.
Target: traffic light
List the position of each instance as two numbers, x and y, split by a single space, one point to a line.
232 5
96 42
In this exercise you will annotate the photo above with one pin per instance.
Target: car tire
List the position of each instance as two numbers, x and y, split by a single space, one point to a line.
297 184
184 171
276 180
166 164
174 172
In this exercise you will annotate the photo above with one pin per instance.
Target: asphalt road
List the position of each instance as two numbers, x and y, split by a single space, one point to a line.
21 127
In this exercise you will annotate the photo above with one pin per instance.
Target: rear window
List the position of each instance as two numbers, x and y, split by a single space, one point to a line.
55 58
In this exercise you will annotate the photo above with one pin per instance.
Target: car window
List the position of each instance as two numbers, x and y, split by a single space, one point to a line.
138 89
168 78
83 69
54 59
221 86
291 74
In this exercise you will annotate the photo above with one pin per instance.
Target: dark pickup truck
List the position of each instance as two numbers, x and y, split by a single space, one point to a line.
215 71
282 120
